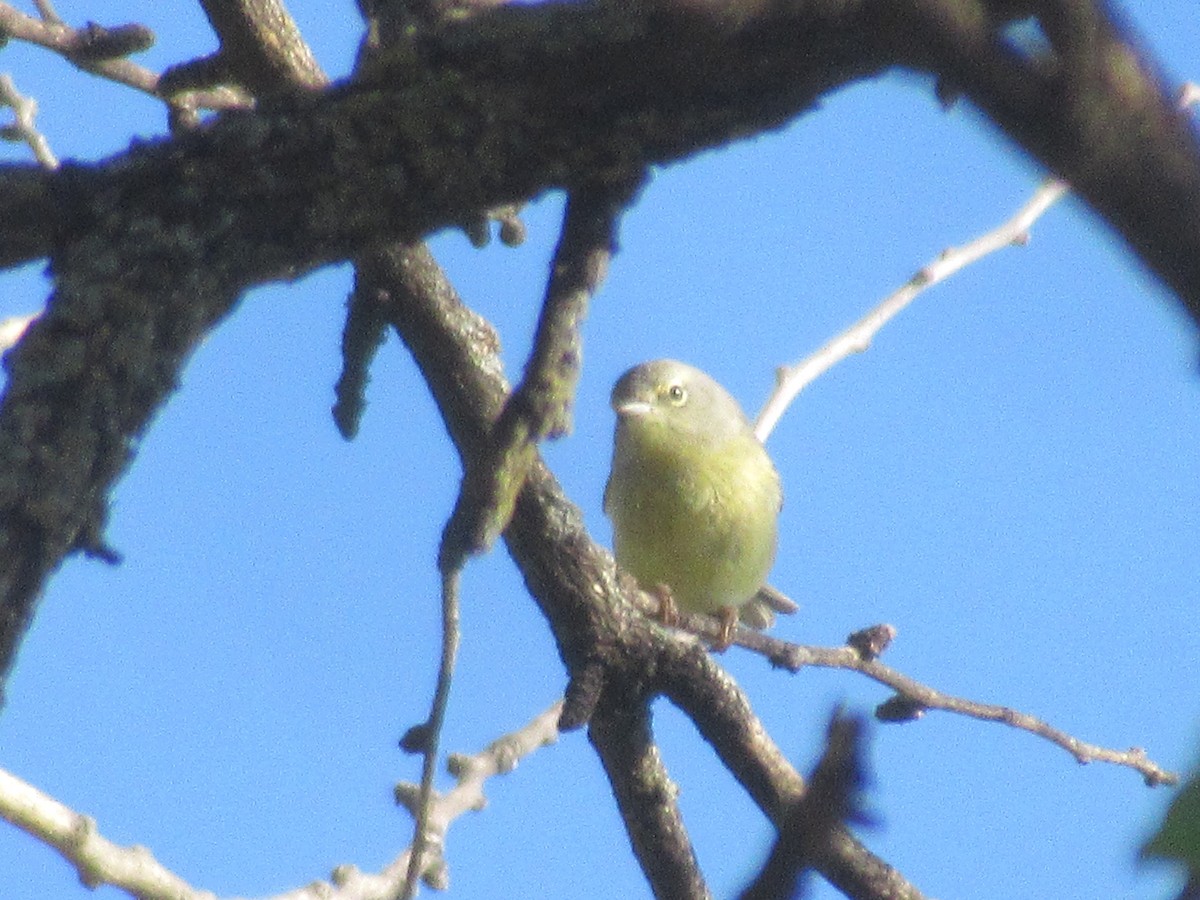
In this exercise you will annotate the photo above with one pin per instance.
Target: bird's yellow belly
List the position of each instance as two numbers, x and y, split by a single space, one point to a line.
711 544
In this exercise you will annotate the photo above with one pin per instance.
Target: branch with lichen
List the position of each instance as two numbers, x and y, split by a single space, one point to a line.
539 408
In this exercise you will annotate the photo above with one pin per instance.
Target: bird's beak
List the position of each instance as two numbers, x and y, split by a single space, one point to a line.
624 408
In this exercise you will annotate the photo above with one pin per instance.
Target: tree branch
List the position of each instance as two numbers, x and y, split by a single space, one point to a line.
1094 111
183 227
537 409
152 249
709 696
574 581
812 823
54 34
913 697
23 128
646 796
460 118
261 50
134 869
791 380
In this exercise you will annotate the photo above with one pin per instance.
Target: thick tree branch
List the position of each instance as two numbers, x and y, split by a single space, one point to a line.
464 117
261 50
646 795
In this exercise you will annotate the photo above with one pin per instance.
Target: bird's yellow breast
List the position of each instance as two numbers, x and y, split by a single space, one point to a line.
697 517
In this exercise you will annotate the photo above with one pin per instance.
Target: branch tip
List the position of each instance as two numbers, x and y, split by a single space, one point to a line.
582 694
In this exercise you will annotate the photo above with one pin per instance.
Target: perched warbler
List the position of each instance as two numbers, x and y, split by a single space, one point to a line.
693 496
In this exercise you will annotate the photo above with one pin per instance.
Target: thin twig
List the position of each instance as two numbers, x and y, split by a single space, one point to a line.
917 697
133 869
46 10
23 129
98 860
52 33
911 695
791 380
425 737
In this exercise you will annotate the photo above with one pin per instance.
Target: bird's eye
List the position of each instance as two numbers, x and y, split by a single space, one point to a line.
677 394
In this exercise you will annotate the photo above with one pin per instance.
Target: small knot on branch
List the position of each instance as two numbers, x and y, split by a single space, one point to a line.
582 695
870 642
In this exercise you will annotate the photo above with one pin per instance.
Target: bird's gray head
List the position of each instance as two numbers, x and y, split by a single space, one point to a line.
680 397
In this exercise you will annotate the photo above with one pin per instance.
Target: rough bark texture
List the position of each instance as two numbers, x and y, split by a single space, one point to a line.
151 249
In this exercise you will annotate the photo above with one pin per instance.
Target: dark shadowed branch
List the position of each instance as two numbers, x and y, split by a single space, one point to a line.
813 822
152 249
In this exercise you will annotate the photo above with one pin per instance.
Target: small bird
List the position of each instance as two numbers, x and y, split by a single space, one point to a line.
693 496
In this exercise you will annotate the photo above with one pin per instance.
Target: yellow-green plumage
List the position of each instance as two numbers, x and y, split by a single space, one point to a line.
693 496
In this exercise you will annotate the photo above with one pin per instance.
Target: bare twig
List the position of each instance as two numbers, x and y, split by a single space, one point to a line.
46 10
133 869
51 32
424 738
98 860
791 380
913 698
22 128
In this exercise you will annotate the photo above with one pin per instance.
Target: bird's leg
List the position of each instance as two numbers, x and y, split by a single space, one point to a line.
728 617
668 612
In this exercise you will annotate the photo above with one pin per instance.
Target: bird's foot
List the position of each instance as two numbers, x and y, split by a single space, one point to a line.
668 612
728 617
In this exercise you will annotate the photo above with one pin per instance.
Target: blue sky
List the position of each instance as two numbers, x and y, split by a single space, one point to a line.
1009 476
